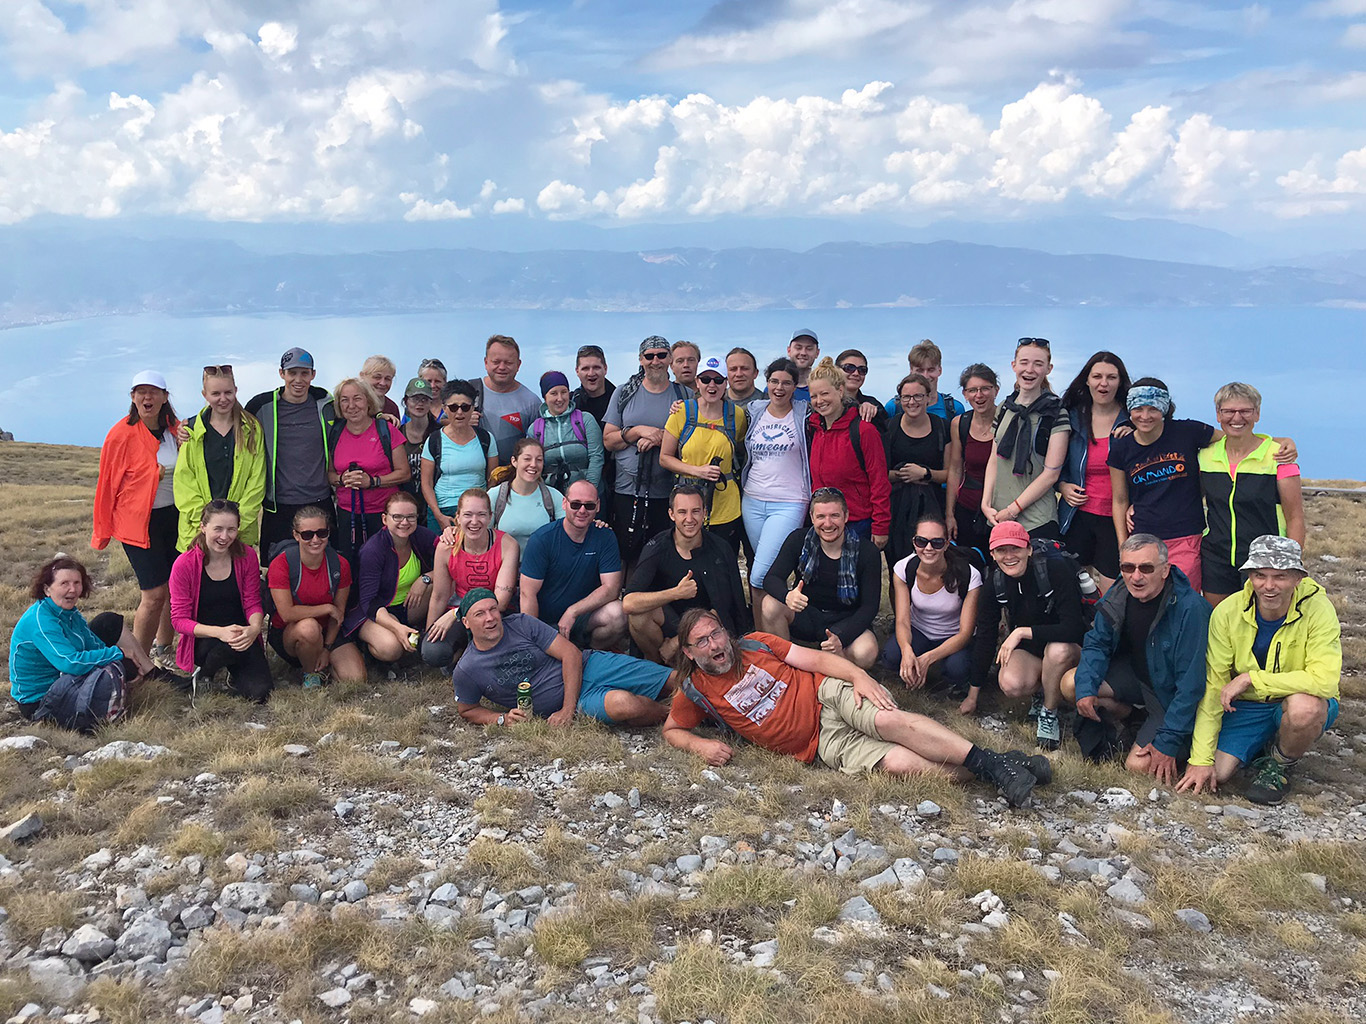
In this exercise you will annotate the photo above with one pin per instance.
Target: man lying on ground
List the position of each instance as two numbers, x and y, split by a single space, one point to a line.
505 650
1272 673
811 703
1146 649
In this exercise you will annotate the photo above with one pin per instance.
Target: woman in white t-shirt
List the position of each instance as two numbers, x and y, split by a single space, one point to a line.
935 591
775 483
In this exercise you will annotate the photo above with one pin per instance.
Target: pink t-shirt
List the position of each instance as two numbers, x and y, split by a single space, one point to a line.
365 450
1097 482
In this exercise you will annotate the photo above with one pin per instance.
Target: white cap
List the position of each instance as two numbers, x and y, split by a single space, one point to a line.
151 377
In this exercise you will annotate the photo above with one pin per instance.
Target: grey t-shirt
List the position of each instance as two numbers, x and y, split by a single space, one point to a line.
521 654
507 416
301 461
647 410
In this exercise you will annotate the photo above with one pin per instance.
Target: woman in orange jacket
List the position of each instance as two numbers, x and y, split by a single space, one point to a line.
135 505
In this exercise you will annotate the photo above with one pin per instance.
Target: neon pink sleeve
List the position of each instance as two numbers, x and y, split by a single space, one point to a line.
1289 469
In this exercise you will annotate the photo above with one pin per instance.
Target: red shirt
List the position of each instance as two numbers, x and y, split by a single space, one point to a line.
868 492
768 702
314 584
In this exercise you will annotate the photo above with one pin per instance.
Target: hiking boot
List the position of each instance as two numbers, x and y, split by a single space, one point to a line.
1270 781
1013 779
1036 764
1035 707
1049 730
163 657
313 680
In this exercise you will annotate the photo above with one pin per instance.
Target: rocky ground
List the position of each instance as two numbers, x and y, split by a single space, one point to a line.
361 854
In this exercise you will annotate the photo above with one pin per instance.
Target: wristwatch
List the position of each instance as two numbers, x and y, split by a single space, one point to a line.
426 579
501 720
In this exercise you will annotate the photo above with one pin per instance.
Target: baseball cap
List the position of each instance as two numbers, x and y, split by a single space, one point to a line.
805 332
653 344
1272 552
1009 534
149 377
419 388
296 358
713 365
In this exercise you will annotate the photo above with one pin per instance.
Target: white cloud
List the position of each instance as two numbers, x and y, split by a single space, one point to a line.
513 205
1354 36
421 209
278 40
1336 9
1347 178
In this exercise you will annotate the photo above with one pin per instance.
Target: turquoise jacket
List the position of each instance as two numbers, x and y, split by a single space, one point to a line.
49 641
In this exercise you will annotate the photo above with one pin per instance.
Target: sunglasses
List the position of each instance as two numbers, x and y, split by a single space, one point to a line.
711 380
937 543
218 371
322 534
577 505
435 364
1129 568
650 356
460 406
1041 342
853 368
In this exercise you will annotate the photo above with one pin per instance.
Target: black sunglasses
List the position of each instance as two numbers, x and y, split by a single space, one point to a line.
432 363
460 406
654 355
937 543
853 368
577 505
1041 342
218 371
322 534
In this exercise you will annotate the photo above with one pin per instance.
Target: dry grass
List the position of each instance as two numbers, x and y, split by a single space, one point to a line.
33 911
390 870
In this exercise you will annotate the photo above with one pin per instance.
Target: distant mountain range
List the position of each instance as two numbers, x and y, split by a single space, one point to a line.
48 275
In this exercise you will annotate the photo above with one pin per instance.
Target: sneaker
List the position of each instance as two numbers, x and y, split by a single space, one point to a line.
1270 781
163 657
1035 707
312 680
1013 779
1036 764
1049 730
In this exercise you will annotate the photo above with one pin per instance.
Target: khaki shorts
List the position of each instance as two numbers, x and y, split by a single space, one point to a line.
848 739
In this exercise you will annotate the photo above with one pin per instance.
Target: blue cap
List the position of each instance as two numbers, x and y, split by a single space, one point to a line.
805 332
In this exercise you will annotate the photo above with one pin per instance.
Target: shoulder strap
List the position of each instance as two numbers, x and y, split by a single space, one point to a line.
295 561
575 424
386 440
746 644
500 503
939 429
964 429
689 423
1042 553
434 450
334 430
856 440
546 500
484 439
538 430
705 706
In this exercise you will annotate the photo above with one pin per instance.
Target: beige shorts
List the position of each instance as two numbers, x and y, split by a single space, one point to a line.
848 739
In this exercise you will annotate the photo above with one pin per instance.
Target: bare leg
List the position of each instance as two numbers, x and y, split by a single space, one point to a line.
626 708
347 663
165 632
863 651
128 644
608 627
1214 599
923 737
304 640
147 620
1020 675
647 630
1302 718
900 761
382 642
1057 659
775 617
668 649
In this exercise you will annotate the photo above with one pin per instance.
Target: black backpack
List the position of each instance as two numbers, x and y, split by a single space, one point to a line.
289 547
855 439
434 448
386 440
1042 551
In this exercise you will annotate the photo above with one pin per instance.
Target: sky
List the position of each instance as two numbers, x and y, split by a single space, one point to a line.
611 112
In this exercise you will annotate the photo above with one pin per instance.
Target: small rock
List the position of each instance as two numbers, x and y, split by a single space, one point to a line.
1319 882
205 778
1125 891
421 1007
125 750
1116 797
148 935
858 909
688 863
612 801
928 809
1246 813
445 894
22 743
89 945
247 896
633 798
1136 921
25 828
297 750
838 810
57 980
945 855
335 998
343 809
1194 920
355 891
201 915
99 860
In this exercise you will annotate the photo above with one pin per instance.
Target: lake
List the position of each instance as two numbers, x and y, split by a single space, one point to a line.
69 380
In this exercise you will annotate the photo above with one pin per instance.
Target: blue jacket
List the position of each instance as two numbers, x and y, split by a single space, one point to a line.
47 642
1074 466
1175 650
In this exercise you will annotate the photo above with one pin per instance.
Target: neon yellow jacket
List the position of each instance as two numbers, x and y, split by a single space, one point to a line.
248 487
1305 657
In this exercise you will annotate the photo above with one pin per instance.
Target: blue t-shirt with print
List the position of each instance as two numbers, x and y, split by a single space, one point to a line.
568 571
520 654
1164 478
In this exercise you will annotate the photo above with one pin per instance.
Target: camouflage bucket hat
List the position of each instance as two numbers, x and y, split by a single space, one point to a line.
1270 552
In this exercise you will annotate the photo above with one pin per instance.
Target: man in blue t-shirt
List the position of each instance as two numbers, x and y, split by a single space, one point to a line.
572 575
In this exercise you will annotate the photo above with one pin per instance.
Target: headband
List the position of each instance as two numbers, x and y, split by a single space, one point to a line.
473 597
1159 398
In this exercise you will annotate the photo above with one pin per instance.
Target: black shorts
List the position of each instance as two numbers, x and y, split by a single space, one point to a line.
809 625
1129 689
152 564
1092 539
1216 575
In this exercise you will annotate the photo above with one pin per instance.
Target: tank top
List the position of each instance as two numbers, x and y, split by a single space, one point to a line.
976 455
1097 481
469 571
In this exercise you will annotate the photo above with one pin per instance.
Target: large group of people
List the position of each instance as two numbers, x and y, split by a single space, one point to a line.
703 546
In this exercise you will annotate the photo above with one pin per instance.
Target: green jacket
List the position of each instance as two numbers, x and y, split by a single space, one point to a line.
1305 657
248 486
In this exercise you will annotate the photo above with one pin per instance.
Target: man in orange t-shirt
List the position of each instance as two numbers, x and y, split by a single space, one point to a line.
812 704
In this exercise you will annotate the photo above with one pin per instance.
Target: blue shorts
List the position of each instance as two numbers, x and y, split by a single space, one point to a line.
1245 732
605 670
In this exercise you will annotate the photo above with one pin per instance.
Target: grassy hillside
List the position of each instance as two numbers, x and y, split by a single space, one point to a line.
599 875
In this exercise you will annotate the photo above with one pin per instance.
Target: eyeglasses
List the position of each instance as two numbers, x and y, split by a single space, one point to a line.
980 389
460 406
853 368
322 534
1129 568
432 364
577 505
590 350
704 643
650 356
937 543
402 519
218 371
915 399
1022 342
711 380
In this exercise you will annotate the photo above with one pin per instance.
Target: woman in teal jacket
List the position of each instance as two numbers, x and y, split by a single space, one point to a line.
572 441
223 456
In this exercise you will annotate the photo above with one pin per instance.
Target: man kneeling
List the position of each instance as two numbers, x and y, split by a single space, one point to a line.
1272 674
811 703
505 650
1146 648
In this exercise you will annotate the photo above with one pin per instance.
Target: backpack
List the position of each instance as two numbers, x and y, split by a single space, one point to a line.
289 547
855 439
1042 551
693 694
505 494
434 448
85 702
727 428
386 440
575 424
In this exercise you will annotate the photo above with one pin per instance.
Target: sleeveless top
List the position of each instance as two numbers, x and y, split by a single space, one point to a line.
976 455
469 571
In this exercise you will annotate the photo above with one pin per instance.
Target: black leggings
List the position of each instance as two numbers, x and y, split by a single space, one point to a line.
248 671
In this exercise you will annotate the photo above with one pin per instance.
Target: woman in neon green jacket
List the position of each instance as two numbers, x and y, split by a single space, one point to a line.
222 457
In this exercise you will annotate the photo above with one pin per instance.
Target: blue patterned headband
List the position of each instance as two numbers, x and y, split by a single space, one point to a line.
1159 398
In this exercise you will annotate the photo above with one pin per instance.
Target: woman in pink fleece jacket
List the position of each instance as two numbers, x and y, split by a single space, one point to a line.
216 605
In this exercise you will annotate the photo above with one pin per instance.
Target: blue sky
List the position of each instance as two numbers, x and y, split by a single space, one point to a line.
609 112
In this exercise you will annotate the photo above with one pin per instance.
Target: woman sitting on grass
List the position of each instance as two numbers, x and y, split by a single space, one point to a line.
309 584
216 606
54 654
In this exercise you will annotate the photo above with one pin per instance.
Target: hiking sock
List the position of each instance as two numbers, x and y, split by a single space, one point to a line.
976 761
1281 757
